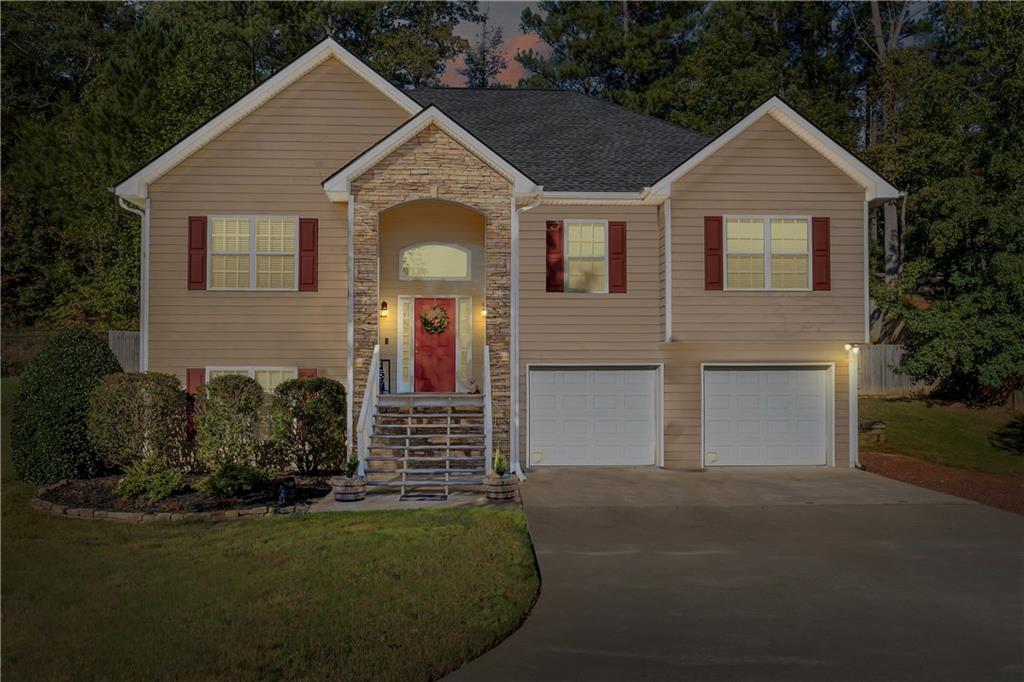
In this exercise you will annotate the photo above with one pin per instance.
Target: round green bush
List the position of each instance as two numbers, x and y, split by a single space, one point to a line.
228 418
49 439
308 417
135 415
149 479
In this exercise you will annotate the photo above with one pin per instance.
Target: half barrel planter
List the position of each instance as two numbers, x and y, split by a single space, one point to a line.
349 489
500 487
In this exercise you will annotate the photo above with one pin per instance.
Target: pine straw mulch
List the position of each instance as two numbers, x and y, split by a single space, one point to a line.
98 493
994 490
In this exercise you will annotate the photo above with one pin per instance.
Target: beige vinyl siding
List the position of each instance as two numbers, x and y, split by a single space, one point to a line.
767 170
683 390
271 162
578 328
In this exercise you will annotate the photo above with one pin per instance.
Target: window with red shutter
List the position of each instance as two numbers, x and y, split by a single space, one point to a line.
194 380
616 258
555 258
713 279
308 253
197 252
821 251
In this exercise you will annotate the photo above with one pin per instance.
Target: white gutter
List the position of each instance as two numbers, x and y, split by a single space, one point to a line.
853 427
351 324
514 326
666 209
143 282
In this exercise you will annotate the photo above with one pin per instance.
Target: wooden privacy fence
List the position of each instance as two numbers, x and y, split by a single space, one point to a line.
876 375
126 347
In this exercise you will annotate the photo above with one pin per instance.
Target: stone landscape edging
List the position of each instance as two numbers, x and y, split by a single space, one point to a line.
55 509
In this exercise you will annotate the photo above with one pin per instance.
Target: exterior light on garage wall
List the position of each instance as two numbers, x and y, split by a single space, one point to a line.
483 310
383 308
852 347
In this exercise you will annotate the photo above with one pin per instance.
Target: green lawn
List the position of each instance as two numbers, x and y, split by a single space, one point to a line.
988 440
405 595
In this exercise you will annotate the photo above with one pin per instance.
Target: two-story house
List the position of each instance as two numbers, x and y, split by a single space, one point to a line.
535 270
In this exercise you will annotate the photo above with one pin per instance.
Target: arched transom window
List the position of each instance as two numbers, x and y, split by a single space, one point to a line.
434 261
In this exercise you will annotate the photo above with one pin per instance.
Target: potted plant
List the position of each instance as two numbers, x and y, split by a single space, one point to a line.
500 485
350 487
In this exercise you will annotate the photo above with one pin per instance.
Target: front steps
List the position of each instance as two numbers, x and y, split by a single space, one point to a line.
424 445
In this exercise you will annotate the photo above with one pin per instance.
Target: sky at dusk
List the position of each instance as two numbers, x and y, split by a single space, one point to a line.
504 15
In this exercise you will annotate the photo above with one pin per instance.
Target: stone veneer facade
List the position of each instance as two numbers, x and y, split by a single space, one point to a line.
433 166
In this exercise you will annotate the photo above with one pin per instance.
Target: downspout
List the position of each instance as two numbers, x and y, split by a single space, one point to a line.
537 197
143 281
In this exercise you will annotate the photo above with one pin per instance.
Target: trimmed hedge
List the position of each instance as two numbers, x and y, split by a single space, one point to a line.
135 416
308 417
234 480
228 419
49 439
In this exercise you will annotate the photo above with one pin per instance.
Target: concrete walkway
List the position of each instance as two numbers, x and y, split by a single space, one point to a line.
763 575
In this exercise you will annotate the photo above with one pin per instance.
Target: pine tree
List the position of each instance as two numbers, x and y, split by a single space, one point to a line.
484 60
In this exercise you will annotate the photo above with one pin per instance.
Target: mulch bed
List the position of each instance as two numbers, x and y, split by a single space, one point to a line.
995 490
98 493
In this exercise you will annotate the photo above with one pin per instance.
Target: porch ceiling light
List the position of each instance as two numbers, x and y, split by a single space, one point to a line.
383 308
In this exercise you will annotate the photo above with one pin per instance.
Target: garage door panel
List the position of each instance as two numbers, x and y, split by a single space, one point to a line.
757 416
597 416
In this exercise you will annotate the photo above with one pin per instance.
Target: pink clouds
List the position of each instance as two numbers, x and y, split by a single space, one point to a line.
512 73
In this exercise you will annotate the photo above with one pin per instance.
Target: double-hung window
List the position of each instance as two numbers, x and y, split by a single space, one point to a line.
268 377
765 252
253 252
586 256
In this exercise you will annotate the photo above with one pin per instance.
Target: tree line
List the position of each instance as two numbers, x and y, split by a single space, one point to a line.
929 94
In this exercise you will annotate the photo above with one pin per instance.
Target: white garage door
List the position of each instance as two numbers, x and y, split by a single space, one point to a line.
756 416
602 416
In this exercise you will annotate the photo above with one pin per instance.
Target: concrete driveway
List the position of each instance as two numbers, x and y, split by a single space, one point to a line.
763 575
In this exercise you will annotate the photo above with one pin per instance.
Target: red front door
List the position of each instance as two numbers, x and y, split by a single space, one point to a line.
434 352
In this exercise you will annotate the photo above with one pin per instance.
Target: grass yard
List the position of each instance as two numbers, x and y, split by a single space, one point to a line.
406 595
985 440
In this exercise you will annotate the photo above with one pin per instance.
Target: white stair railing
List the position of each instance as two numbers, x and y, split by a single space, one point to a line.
371 393
488 453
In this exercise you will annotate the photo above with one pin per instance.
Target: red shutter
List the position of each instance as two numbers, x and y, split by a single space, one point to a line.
307 373
308 240
194 379
713 253
197 252
821 252
616 258
555 269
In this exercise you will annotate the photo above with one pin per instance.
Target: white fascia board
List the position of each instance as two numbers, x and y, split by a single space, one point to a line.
644 197
135 188
339 185
875 186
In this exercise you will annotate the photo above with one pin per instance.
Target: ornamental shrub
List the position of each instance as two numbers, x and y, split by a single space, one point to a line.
135 416
228 417
150 479
232 480
308 417
49 435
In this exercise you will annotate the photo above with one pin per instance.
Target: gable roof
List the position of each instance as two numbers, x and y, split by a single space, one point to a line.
338 185
875 186
135 188
567 141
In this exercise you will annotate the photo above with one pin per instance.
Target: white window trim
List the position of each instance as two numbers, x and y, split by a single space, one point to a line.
252 252
767 253
251 371
565 255
411 278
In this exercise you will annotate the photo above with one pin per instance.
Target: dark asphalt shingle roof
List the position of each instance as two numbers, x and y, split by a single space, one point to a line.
567 141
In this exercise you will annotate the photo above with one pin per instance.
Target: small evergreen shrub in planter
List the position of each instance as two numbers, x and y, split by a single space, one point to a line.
350 487
500 485
49 439
149 479
308 417
228 419
136 416
234 480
